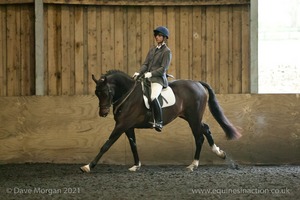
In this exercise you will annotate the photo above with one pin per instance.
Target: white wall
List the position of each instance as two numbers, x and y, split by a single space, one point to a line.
279 46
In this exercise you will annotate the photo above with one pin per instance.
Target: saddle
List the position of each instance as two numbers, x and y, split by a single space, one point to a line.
166 97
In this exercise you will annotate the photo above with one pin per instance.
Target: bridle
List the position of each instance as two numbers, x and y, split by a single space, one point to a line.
108 90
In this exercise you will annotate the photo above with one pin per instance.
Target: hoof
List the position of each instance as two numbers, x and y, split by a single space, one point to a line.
193 166
223 154
190 168
220 153
135 168
85 169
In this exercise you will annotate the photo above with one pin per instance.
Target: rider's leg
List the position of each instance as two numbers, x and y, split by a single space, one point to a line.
156 89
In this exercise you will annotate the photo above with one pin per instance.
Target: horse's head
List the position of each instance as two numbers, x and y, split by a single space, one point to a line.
105 95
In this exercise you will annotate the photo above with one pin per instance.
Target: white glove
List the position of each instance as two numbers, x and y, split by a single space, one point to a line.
135 75
148 75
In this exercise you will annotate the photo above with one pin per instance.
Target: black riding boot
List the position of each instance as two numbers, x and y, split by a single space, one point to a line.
156 109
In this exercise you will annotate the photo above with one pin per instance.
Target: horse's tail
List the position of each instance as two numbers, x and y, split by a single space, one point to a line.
217 112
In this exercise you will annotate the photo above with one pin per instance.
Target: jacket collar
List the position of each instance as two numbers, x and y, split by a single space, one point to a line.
160 46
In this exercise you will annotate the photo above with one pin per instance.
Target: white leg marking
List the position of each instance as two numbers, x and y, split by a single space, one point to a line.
217 151
194 165
134 168
86 168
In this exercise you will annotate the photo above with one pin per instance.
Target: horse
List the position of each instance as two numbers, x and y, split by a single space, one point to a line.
121 91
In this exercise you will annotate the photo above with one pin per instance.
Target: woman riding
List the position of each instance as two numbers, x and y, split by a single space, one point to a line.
155 69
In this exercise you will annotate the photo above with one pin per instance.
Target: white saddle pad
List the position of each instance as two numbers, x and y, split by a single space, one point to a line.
168 98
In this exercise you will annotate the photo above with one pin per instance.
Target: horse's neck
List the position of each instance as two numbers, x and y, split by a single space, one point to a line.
123 86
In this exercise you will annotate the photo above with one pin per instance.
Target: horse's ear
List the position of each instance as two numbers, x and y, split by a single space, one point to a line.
93 77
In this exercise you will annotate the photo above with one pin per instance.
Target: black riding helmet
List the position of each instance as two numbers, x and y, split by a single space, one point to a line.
162 30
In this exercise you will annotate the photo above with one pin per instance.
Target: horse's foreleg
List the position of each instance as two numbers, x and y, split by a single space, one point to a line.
132 141
112 139
211 142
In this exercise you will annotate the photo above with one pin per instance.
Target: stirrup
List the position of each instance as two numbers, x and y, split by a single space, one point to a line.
158 127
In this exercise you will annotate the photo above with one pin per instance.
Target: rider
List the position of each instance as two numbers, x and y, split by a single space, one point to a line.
154 68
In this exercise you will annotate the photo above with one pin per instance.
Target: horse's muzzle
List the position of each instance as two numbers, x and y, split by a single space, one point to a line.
103 112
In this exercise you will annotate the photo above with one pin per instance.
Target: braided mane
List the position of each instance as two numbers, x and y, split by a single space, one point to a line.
116 71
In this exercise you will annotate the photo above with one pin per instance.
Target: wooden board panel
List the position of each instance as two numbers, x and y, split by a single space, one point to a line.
25 51
146 2
16 1
196 44
230 53
210 46
171 25
224 49
69 130
138 38
125 36
72 50
66 50
177 44
85 52
25 48
190 43
236 50
79 58
46 71
3 50
132 41
31 51
217 34
245 35
13 56
184 44
58 41
99 34
51 50
145 32
203 44
93 67
158 17
119 38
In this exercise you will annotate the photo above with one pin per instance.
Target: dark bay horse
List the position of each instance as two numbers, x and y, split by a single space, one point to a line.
125 94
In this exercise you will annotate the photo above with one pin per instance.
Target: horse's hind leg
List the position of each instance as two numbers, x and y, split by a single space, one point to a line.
211 142
199 138
131 137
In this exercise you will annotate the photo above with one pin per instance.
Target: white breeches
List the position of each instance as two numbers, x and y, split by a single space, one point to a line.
156 89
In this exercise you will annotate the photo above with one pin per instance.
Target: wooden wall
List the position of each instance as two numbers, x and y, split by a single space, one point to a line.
17 65
67 129
210 41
